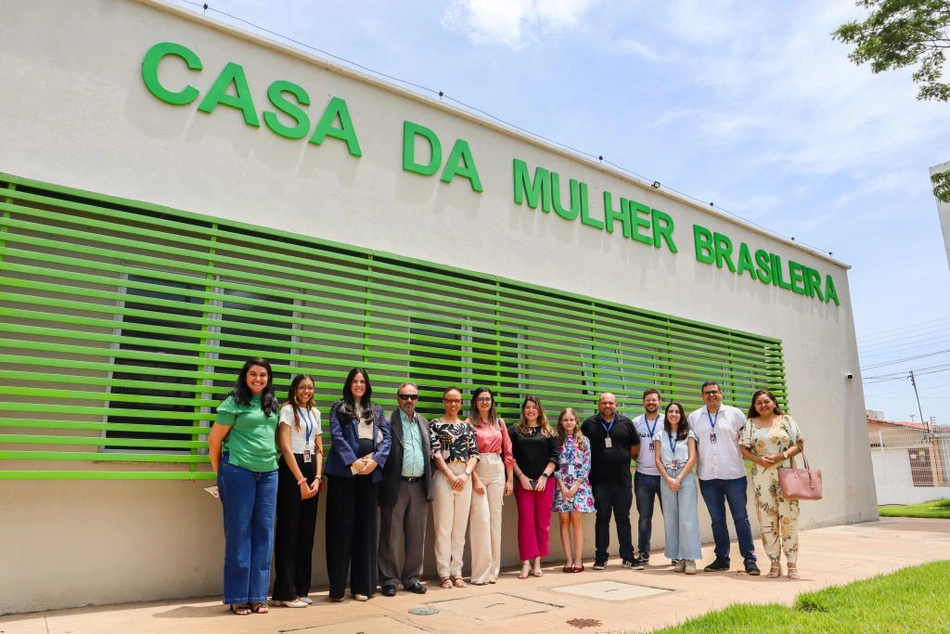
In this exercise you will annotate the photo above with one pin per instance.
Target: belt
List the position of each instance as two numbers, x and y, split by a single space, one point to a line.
412 479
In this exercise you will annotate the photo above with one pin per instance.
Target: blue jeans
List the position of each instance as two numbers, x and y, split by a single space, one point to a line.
716 493
646 488
249 500
681 518
617 499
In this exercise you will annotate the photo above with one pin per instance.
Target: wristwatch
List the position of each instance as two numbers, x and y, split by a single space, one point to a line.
468 472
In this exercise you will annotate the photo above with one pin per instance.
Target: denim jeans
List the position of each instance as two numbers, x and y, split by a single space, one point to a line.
617 499
681 518
646 488
249 500
716 493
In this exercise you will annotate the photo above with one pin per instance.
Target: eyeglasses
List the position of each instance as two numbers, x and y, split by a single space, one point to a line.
483 399
711 392
408 397
454 401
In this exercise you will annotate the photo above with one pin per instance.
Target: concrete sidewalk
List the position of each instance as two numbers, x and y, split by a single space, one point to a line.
614 600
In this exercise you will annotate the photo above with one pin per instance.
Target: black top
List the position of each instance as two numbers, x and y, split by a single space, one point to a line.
610 466
534 451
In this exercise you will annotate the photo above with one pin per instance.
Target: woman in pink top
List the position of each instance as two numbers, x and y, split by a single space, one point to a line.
490 485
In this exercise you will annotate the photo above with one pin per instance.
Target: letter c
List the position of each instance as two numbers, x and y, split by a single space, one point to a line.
150 64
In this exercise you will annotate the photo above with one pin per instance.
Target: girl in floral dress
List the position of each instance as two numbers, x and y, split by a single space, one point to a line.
770 438
573 495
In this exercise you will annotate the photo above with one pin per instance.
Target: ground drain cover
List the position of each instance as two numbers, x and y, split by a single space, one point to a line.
611 590
495 606
423 611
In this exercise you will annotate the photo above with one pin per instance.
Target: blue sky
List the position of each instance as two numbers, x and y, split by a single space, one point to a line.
749 105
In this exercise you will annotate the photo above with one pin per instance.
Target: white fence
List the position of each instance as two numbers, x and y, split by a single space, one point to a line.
910 466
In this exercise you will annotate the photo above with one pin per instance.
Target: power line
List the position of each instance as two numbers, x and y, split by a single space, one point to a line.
889 332
918 356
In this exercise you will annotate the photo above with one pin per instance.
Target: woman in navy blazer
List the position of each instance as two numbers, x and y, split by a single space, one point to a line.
360 440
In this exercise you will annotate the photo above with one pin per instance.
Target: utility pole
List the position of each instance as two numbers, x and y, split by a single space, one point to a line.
914 383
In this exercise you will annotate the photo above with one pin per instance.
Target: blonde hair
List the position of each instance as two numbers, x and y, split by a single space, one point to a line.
562 433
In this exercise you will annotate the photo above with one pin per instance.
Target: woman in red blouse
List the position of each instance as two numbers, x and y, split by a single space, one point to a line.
492 480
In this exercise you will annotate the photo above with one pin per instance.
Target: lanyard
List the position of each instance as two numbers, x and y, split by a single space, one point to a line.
673 442
309 423
651 430
712 421
607 429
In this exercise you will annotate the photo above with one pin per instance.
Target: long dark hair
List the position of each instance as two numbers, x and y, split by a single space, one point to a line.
543 425
348 403
682 428
242 393
474 418
292 397
753 413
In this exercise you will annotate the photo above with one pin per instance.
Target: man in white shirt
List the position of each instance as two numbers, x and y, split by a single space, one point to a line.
722 476
646 484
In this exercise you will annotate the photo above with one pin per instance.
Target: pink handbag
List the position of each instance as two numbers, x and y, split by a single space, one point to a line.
800 484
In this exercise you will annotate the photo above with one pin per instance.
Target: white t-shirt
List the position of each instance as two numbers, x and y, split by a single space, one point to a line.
309 420
646 459
720 460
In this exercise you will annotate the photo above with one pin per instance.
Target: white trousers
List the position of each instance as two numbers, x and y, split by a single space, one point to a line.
450 511
485 522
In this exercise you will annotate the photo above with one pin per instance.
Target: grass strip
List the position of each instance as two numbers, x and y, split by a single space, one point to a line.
909 600
939 509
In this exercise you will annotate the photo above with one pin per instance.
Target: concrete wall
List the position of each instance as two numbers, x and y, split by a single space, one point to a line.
78 114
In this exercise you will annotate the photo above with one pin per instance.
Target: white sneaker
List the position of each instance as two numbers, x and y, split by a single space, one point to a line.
296 603
690 567
679 565
306 600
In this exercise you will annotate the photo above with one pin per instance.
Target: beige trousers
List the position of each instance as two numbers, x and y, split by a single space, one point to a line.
450 511
485 522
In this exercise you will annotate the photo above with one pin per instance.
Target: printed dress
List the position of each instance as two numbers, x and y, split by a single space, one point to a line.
778 517
573 465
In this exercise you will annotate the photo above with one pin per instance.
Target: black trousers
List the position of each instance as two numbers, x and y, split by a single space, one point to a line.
293 536
351 535
617 500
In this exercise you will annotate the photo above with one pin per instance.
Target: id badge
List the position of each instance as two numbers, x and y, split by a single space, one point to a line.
712 438
674 464
609 442
306 455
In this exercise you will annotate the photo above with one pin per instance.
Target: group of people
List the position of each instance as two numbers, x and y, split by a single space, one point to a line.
268 460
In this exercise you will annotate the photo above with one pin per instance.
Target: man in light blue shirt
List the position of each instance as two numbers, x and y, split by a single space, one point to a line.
404 496
646 484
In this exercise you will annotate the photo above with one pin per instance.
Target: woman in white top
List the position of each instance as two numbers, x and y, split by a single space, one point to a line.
675 450
300 474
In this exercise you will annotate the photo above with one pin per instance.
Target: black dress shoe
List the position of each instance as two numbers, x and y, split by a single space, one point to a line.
751 569
389 591
416 588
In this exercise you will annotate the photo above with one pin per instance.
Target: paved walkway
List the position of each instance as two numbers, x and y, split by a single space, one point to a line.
614 600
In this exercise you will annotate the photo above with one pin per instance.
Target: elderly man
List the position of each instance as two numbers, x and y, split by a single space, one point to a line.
613 444
722 475
404 496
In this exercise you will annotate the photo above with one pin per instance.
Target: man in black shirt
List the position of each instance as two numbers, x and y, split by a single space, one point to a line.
614 442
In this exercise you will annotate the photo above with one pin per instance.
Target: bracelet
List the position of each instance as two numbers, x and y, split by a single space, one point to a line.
301 481
319 476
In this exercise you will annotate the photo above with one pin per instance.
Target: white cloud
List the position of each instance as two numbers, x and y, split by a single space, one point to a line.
512 22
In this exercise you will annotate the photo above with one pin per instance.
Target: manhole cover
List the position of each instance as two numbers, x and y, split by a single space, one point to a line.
423 611
494 606
611 590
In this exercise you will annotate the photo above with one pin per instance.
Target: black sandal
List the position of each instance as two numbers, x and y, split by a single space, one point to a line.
241 609
260 608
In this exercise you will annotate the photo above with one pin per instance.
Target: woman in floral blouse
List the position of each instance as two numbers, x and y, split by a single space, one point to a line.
455 453
573 496
770 438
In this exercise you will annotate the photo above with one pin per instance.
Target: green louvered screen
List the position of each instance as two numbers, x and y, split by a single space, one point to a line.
125 323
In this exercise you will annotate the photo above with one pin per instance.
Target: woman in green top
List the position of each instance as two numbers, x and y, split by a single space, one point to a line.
243 454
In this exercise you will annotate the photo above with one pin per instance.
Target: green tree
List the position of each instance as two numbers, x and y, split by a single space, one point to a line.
901 33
